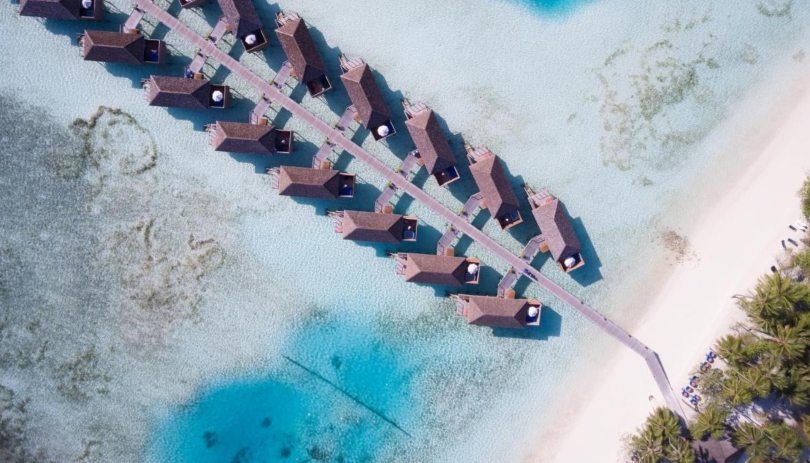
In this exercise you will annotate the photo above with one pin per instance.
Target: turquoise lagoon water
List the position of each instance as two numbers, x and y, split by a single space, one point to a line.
556 6
160 303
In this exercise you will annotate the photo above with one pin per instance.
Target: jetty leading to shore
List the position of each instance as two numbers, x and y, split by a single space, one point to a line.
458 223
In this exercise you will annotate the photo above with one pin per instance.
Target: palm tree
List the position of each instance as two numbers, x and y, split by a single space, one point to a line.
733 348
736 391
665 424
710 422
789 342
775 300
751 438
712 383
757 382
785 445
646 446
661 439
681 452
795 386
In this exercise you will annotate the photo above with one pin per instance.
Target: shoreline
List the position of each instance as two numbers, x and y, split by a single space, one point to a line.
764 191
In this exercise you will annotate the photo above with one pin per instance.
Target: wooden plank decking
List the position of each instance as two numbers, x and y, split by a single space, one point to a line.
456 221
329 144
199 59
405 169
133 20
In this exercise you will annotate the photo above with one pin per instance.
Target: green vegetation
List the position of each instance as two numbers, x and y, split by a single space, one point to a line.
662 439
758 395
802 260
804 194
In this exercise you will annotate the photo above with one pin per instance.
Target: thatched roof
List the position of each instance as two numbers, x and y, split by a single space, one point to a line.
308 182
241 16
372 226
113 47
178 92
301 50
56 9
716 451
493 184
435 269
497 311
556 228
240 137
430 141
366 96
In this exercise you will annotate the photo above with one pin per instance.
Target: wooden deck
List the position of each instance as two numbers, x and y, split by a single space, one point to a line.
260 109
283 75
456 221
452 233
133 20
405 169
199 59
328 145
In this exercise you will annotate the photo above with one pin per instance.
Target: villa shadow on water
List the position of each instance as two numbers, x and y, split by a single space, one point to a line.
591 272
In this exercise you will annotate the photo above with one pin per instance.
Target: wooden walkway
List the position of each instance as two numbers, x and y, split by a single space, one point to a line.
328 145
199 59
264 103
283 75
133 20
456 221
260 109
405 169
452 233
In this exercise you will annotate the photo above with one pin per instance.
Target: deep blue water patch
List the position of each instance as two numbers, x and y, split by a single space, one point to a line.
337 395
555 6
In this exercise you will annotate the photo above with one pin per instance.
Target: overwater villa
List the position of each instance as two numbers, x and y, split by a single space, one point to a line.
63 9
375 226
244 23
303 55
183 92
437 269
431 144
121 47
499 312
556 231
499 198
240 137
309 182
366 97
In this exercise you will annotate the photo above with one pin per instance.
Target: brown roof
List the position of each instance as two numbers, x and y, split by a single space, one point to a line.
435 269
491 180
240 137
308 182
716 451
113 47
372 226
556 228
301 50
366 96
179 92
430 141
497 311
56 9
241 15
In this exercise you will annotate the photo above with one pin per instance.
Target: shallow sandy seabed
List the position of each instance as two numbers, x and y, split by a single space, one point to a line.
141 271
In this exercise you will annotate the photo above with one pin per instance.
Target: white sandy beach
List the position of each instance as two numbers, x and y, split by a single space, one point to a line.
735 241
